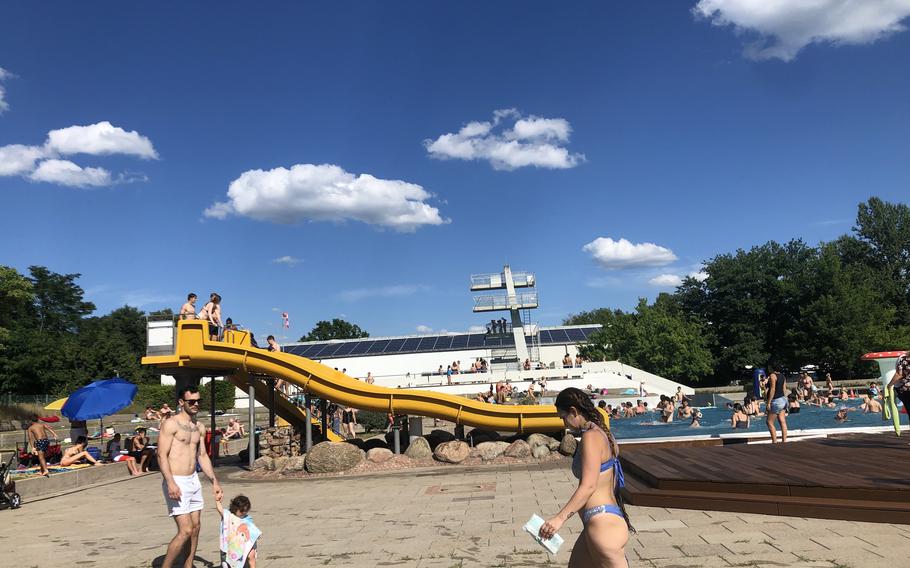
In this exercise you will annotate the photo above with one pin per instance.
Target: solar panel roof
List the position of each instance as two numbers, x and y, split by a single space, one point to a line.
430 343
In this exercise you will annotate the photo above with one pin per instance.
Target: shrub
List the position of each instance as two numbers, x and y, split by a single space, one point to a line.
224 395
152 395
156 395
373 421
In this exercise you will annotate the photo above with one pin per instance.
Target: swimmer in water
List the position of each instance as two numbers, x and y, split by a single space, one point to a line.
739 420
696 417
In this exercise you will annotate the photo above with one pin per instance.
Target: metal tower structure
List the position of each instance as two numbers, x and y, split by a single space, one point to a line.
519 306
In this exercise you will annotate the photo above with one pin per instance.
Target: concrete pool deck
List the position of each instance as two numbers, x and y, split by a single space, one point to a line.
451 517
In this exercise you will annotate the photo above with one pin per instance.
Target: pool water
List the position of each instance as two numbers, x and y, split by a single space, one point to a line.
717 421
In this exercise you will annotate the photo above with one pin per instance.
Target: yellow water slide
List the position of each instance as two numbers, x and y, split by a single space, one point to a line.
194 350
283 407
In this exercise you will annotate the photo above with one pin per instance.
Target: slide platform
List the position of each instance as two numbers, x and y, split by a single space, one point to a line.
194 350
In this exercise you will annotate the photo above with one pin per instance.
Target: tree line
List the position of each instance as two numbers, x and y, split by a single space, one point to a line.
786 304
50 343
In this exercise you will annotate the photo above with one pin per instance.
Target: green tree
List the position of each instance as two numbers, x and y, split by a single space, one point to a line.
657 338
842 315
747 303
16 301
335 329
59 305
884 229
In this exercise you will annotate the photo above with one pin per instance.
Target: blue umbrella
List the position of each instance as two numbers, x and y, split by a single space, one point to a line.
99 399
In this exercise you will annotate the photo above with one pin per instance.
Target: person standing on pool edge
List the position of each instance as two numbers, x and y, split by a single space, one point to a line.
901 380
597 498
776 403
180 447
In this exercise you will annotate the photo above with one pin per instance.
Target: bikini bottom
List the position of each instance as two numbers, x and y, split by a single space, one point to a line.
612 509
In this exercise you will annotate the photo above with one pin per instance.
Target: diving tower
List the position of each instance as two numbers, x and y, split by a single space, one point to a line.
519 306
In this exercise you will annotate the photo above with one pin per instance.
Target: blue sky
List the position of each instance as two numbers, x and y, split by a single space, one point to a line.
688 129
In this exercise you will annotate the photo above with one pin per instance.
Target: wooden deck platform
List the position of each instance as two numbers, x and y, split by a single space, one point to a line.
860 477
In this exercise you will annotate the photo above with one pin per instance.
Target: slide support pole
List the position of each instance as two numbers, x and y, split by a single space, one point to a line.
396 439
212 447
309 423
270 382
252 427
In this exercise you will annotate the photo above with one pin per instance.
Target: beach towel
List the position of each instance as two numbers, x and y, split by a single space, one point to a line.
30 472
238 536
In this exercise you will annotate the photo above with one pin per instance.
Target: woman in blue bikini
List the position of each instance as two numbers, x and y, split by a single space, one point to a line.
597 498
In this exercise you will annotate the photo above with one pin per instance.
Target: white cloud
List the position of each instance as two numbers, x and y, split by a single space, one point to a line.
477 329
4 74
621 254
784 27
17 159
65 172
396 291
665 281
509 142
698 274
287 260
43 163
424 329
102 138
308 192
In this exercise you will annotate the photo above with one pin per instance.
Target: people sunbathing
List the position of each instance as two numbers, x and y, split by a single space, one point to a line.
234 430
75 454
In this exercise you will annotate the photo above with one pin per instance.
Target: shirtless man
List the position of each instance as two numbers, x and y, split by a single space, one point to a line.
684 411
870 404
37 437
180 447
188 310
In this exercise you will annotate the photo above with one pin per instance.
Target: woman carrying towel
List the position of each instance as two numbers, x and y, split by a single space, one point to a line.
597 498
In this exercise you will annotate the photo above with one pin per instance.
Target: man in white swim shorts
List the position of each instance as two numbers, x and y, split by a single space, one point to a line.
180 446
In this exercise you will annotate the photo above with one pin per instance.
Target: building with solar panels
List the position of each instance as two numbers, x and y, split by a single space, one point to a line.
513 349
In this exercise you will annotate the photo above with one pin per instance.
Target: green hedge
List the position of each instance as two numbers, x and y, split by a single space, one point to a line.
373 421
156 395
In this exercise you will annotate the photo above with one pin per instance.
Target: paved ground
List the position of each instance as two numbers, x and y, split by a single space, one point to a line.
459 517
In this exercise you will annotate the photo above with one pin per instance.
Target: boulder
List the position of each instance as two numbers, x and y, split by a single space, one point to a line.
478 436
535 440
329 457
568 445
279 463
419 449
379 455
293 465
490 450
398 461
553 445
540 451
374 443
264 463
518 449
437 437
452 452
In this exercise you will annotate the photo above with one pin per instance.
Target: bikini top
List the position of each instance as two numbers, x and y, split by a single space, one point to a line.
613 463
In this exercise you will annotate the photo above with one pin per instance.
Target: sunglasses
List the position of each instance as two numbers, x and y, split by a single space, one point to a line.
191 401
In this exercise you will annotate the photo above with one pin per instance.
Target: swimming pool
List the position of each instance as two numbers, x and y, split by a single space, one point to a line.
716 421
